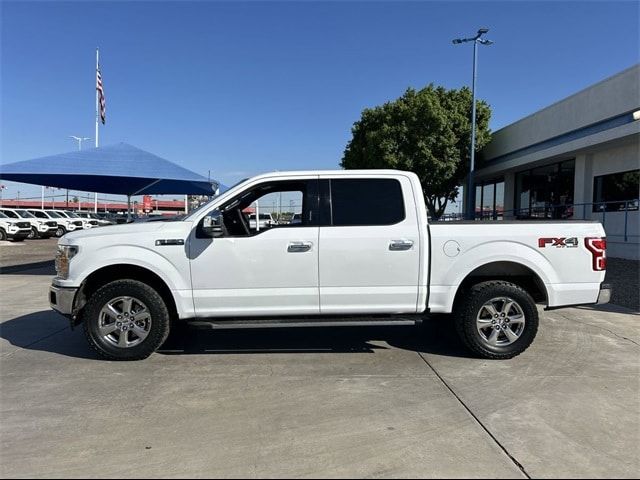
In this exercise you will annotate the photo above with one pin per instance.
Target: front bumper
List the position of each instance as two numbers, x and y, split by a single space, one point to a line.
605 293
61 299
19 234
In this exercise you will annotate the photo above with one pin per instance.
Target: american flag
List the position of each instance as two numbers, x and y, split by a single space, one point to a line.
100 95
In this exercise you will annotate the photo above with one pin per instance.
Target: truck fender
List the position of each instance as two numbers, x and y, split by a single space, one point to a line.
178 283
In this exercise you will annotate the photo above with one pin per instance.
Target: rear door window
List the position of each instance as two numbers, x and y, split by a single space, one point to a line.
366 201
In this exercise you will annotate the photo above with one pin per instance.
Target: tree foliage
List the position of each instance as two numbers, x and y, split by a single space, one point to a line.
426 131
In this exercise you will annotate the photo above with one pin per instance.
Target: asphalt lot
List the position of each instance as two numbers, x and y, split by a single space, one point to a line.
367 402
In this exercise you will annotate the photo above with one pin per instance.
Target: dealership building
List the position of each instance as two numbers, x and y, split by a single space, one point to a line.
578 158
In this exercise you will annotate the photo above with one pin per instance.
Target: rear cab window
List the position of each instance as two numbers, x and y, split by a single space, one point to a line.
366 202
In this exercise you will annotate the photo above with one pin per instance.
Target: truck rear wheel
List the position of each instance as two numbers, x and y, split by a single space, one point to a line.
3 234
33 233
497 320
126 320
60 231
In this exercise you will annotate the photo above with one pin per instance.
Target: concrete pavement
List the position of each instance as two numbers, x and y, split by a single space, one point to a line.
367 402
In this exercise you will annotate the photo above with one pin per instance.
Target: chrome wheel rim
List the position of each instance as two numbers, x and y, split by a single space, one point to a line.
124 322
32 234
500 322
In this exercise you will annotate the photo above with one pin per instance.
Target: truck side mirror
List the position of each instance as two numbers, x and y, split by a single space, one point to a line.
212 225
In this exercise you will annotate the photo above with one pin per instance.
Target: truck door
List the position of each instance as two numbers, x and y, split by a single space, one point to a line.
369 246
260 268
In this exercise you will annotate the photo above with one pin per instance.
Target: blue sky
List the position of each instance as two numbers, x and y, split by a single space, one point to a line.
245 87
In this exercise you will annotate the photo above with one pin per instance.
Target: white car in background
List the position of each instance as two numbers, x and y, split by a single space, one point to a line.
91 218
40 228
85 224
64 224
11 229
266 221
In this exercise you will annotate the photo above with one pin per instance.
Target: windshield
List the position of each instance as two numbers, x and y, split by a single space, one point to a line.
53 214
204 205
25 214
71 215
2 215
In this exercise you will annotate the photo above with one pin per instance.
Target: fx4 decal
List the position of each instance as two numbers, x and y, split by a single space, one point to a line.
571 242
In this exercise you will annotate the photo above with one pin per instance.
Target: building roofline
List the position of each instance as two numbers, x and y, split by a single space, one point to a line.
557 102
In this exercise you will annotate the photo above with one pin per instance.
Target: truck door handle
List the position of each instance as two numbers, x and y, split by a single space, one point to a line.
297 247
399 245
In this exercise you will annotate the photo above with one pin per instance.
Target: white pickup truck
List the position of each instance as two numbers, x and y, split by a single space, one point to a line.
363 254
12 229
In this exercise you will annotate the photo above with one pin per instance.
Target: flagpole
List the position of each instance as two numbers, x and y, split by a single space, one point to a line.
95 198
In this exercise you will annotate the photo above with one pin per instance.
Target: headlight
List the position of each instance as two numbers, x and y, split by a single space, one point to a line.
63 257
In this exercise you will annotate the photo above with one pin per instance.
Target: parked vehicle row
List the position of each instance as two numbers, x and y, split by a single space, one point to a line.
20 223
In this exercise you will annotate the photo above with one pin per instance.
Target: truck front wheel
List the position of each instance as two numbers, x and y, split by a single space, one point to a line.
497 320
126 320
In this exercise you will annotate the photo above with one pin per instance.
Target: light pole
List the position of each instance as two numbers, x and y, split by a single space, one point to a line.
79 140
470 213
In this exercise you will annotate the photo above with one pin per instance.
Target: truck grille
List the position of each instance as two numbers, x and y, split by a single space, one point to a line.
78 223
93 222
52 224
23 225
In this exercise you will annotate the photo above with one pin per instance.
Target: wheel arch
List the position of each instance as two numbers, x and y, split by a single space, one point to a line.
508 271
119 271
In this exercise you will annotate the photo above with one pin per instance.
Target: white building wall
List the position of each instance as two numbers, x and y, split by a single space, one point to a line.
614 160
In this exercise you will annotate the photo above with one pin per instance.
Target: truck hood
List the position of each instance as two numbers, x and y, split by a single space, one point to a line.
125 230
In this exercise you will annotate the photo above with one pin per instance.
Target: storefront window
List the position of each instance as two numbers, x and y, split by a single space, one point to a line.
616 191
500 197
546 192
490 199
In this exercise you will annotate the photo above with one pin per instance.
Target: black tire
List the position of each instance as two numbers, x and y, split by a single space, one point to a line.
158 330
33 234
471 306
3 234
60 231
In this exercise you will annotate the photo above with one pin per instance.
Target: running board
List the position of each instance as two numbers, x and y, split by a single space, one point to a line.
298 323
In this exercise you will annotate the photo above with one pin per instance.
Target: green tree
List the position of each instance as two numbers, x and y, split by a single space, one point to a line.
427 132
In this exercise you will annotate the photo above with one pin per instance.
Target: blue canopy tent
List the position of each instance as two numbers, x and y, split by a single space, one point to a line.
117 169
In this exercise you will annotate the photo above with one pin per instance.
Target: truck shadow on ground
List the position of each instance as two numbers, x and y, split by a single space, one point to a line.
435 336
46 267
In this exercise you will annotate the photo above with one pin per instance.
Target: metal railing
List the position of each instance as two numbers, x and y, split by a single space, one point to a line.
576 211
